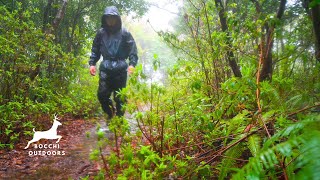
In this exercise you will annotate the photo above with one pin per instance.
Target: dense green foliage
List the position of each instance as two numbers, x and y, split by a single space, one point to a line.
38 78
204 123
240 102
44 62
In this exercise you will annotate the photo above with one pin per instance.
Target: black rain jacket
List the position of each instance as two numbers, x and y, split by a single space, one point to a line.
115 44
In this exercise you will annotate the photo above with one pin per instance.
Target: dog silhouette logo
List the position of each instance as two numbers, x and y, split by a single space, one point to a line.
49 134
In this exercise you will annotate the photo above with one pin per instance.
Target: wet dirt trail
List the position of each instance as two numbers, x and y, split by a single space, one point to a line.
78 141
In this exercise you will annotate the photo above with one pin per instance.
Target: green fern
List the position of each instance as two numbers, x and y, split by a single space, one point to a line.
228 163
309 160
299 146
254 144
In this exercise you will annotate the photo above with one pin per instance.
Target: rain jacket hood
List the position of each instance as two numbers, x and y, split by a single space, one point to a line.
111 11
115 43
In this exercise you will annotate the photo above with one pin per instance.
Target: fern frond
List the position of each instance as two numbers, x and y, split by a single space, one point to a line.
229 161
301 149
254 144
309 160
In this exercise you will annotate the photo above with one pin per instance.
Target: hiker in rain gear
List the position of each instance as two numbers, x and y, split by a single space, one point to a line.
115 44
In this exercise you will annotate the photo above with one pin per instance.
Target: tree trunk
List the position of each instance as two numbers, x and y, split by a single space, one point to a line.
267 44
224 26
59 15
46 15
315 14
50 30
266 71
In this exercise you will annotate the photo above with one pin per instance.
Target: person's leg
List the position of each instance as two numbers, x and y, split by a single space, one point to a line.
104 93
120 82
